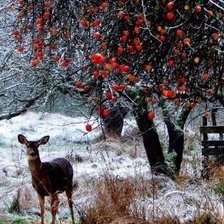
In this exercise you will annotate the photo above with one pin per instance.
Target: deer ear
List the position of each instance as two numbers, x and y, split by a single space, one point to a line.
22 139
44 140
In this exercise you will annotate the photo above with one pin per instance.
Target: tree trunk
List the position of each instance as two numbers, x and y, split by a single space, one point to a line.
113 124
151 142
213 116
176 134
176 144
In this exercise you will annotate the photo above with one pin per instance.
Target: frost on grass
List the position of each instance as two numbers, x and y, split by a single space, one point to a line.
111 172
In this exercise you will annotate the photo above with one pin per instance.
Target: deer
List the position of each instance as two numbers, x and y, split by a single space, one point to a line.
49 178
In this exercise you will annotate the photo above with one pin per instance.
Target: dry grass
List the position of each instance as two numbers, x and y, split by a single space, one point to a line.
205 219
116 197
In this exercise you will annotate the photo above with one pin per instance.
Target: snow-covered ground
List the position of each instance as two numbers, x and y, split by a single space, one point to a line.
68 138
90 159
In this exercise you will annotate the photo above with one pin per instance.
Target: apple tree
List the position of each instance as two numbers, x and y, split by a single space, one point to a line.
134 54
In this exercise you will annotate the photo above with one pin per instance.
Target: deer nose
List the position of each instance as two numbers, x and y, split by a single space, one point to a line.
32 154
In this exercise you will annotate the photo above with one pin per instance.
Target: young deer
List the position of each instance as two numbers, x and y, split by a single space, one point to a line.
49 178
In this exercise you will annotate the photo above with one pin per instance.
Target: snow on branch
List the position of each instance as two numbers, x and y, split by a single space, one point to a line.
218 3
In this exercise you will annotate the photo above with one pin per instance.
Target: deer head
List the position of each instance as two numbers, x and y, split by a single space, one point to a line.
32 146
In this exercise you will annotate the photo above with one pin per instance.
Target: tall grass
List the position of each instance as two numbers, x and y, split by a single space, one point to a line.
116 197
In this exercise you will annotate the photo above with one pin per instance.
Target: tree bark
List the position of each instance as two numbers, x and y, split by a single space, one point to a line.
113 127
176 134
213 116
113 124
176 144
151 143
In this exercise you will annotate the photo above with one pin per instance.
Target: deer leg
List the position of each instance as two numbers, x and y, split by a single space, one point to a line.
70 203
41 202
54 207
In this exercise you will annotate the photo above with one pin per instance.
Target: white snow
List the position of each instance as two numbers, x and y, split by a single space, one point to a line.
68 138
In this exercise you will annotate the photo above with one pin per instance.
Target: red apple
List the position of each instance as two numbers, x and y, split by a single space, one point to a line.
104 45
137 29
182 88
205 76
20 49
86 88
55 57
114 65
136 41
187 41
77 84
197 9
35 62
171 63
47 15
40 28
162 38
170 5
130 48
124 68
40 55
105 112
97 58
96 74
47 4
109 95
117 87
104 5
138 47
39 21
97 35
121 15
170 15
179 33
151 115
64 63
96 23
120 50
123 39
169 93
84 23
181 80
88 127
103 73
139 20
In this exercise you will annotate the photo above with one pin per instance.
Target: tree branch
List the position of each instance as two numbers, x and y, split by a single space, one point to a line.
29 103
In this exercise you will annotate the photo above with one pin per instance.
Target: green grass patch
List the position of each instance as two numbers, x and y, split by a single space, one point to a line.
219 188
2 222
19 221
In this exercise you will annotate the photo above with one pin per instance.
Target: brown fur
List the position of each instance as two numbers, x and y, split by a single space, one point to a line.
49 178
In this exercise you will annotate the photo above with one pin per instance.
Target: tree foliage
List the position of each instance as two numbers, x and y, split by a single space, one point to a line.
136 54
168 48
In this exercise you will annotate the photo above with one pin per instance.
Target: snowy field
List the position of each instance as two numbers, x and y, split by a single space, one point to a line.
91 159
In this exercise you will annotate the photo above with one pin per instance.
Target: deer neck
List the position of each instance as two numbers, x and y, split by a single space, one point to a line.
34 164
